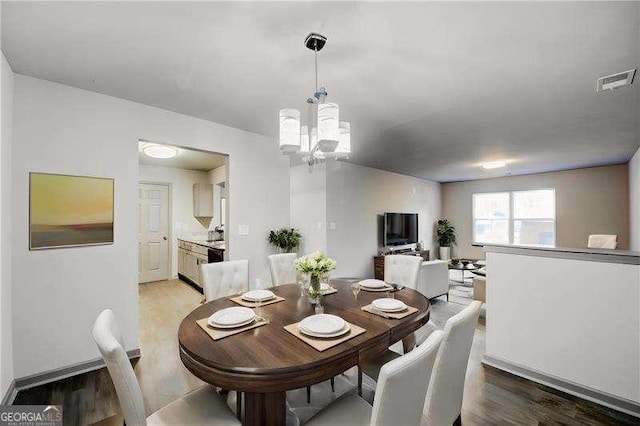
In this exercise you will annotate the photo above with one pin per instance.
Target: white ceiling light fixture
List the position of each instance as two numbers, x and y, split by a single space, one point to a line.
325 136
494 165
159 151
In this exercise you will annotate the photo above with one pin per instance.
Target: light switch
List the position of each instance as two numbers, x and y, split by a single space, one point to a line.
243 229
332 225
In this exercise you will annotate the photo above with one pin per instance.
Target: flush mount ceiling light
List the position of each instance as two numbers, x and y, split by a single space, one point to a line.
159 151
325 136
494 164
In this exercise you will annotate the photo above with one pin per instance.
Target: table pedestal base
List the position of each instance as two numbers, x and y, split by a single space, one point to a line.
266 409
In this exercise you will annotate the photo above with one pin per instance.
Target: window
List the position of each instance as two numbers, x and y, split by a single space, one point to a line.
519 217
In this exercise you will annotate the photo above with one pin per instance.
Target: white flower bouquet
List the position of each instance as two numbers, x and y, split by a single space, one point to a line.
316 265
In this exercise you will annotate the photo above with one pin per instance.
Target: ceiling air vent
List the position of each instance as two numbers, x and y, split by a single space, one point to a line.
610 82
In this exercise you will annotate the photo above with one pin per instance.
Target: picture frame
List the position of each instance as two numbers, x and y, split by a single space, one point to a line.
70 211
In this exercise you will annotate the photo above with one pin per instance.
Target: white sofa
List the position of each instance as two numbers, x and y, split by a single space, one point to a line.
433 280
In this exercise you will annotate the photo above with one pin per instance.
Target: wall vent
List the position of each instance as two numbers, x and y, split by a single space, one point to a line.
613 81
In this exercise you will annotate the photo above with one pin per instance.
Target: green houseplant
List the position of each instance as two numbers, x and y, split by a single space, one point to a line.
446 235
285 239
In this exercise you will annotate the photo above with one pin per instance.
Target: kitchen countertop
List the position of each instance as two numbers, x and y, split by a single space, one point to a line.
221 245
588 254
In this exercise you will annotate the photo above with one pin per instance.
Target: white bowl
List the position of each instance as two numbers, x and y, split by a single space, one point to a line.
389 305
235 316
258 295
322 324
345 329
373 283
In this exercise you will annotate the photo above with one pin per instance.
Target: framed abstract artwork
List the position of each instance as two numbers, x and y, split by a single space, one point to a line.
69 211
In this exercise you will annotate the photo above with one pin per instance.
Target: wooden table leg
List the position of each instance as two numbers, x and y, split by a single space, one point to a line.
408 343
267 409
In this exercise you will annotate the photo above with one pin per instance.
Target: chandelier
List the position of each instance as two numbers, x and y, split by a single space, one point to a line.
325 136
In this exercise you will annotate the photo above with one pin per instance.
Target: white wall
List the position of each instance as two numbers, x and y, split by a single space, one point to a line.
634 200
183 223
6 332
216 176
571 319
356 195
58 293
308 206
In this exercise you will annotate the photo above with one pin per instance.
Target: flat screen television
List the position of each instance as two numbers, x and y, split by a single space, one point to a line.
400 229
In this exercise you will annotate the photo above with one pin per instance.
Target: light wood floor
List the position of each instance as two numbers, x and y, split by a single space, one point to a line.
492 397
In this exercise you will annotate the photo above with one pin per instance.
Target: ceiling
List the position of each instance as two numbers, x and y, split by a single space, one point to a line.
431 89
189 159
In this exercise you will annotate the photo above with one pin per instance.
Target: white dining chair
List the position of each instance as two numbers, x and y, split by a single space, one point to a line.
399 396
199 407
443 404
221 279
603 241
402 269
283 268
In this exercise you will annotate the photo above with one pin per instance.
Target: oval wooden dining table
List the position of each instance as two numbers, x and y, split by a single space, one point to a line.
267 361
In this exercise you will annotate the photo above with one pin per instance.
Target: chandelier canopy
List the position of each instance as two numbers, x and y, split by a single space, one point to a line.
325 136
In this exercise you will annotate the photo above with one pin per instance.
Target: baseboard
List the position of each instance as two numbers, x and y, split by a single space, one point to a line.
590 394
190 282
10 394
64 372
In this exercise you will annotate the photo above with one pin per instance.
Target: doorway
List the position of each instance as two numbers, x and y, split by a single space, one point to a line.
153 232
182 224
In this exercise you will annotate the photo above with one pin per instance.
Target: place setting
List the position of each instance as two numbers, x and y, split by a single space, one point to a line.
324 331
257 298
375 285
389 308
229 321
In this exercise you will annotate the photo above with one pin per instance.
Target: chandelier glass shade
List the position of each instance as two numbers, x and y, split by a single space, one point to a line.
325 136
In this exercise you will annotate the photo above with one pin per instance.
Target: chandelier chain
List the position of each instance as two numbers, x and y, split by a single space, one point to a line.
316 57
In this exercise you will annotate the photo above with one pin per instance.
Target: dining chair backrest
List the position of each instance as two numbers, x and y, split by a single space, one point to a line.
603 241
402 269
443 403
109 340
221 279
402 385
283 268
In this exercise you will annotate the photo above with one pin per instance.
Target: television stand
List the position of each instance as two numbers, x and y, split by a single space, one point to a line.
403 251
378 261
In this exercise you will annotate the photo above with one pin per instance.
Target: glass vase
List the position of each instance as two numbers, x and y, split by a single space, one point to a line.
314 288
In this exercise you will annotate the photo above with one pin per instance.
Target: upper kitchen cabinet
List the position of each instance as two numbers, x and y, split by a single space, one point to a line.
203 200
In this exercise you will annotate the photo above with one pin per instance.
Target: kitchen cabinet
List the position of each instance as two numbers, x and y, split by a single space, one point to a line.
190 257
203 200
181 265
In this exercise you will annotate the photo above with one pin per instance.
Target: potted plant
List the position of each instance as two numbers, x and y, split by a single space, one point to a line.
446 234
285 239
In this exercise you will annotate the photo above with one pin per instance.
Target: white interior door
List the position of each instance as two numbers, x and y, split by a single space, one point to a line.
153 232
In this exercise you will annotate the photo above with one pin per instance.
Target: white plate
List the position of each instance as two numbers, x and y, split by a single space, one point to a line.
343 330
389 305
235 316
373 283
258 295
322 324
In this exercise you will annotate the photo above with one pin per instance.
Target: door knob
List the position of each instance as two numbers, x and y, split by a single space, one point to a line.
164 238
